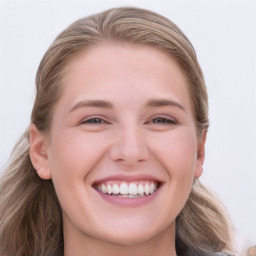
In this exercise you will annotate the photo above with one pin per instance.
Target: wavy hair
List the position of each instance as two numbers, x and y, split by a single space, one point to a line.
30 214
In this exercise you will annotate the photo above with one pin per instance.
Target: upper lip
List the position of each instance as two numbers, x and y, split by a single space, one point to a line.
128 178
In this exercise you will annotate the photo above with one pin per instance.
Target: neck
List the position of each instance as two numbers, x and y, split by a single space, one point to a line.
163 244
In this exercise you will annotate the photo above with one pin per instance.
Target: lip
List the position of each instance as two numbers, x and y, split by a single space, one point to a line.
128 202
124 201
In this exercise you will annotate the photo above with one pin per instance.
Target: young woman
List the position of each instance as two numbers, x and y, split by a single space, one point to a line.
111 162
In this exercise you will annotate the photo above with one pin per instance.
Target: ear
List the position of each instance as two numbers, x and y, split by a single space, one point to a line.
38 152
200 154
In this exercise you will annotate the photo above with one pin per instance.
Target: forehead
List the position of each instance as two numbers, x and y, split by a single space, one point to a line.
123 71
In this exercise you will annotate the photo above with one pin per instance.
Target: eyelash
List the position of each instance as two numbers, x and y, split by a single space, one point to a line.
163 121
94 120
156 120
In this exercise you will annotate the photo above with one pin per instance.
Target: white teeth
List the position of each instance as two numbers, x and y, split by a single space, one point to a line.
146 189
151 188
124 190
104 188
128 190
133 189
115 189
130 196
109 188
140 190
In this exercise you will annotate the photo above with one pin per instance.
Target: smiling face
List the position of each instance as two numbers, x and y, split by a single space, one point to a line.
123 148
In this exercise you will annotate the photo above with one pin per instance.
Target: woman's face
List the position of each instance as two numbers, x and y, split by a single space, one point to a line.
123 148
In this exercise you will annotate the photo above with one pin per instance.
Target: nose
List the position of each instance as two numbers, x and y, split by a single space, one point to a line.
129 147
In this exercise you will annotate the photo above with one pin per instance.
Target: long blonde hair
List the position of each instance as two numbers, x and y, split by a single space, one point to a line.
30 214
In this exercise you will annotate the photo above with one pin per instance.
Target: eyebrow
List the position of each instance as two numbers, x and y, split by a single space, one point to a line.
92 103
163 102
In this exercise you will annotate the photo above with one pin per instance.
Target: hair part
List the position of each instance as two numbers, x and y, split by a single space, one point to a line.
30 214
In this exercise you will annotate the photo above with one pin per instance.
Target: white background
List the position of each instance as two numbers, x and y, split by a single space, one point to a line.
224 36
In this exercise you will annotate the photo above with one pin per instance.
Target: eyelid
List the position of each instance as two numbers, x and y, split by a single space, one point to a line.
90 118
170 120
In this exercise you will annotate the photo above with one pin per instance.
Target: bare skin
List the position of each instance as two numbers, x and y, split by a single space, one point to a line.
124 116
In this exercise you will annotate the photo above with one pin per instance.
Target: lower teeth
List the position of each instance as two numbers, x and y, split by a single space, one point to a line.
130 196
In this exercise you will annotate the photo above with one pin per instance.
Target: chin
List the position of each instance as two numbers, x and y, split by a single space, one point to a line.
130 239
132 236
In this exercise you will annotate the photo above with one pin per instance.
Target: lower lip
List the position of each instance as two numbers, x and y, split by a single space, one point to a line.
129 202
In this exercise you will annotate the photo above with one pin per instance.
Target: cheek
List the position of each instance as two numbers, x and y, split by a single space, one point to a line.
73 155
177 151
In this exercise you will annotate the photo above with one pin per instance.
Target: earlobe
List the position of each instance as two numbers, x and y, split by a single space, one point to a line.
38 152
200 154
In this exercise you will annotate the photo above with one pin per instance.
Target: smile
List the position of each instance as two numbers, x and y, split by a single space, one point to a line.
128 189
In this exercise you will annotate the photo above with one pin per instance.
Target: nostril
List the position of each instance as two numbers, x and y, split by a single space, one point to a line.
128 155
129 146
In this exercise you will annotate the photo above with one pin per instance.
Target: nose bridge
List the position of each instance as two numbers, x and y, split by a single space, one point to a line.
130 146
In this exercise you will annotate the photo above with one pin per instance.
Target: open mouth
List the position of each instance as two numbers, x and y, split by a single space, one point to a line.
133 189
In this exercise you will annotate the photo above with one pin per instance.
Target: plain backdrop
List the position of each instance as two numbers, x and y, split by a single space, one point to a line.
224 36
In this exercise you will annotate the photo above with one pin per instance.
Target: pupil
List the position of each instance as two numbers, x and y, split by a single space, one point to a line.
95 120
159 120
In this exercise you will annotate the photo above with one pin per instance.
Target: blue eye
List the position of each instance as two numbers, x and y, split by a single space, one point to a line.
162 120
95 120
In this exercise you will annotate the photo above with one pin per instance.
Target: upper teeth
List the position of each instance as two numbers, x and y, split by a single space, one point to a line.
123 188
